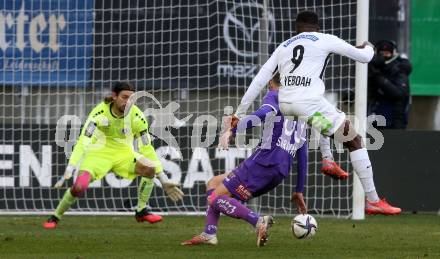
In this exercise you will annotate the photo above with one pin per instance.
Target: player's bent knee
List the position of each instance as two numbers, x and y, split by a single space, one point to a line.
81 184
354 144
210 184
345 133
215 181
219 191
211 198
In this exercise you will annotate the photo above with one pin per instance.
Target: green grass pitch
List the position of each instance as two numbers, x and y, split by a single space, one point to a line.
404 236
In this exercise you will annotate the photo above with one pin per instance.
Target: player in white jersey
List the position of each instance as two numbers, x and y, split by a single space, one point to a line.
301 62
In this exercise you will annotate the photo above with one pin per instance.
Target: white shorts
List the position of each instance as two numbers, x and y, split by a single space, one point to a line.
317 111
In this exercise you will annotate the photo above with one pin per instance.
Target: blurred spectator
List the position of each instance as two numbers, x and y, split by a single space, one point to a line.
388 85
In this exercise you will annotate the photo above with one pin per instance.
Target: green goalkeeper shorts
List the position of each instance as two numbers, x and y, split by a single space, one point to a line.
99 162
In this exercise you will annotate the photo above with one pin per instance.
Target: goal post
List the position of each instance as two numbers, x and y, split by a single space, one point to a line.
362 20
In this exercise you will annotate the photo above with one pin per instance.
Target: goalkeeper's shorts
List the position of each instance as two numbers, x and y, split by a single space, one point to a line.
99 162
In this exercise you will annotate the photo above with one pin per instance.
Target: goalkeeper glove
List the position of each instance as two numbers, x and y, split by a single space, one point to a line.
68 173
170 188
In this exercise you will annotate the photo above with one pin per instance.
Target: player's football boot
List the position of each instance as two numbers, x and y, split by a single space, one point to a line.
330 168
145 215
202 239
262 227
51 223
381 207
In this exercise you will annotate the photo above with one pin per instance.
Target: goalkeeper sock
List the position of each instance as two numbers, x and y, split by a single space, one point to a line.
65 203
233 208
144 192
212 217
324 147
362 166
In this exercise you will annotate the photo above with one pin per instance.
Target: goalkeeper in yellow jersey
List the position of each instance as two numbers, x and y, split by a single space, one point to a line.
112 141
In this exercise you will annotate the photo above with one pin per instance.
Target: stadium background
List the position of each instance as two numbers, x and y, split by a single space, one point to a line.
121 44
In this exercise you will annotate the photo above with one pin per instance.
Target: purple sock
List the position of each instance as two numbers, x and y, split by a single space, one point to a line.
212 217
233 208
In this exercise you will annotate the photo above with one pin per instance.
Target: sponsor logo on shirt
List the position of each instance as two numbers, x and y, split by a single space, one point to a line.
124 131
298 131
302 36
287 146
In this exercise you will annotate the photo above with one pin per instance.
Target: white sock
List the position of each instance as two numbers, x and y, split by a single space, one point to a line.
324 146
208 235
362 166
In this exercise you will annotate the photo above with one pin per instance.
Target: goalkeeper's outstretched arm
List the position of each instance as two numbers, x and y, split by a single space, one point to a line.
148 153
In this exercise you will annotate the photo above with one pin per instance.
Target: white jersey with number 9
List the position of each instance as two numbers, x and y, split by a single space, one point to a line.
301 62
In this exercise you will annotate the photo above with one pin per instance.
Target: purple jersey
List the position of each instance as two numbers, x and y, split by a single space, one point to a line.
281 137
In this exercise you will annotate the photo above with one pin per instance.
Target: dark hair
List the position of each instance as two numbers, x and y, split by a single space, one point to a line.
307 17
385 45
276 78
117 88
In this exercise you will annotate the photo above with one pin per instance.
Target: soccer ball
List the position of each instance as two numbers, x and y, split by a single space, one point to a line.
304 226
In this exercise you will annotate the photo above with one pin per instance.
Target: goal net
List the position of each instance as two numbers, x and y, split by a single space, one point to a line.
195 57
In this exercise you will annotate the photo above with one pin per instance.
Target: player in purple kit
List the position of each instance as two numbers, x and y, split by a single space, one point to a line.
265 169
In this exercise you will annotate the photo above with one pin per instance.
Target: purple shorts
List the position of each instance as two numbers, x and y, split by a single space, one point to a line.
250 180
